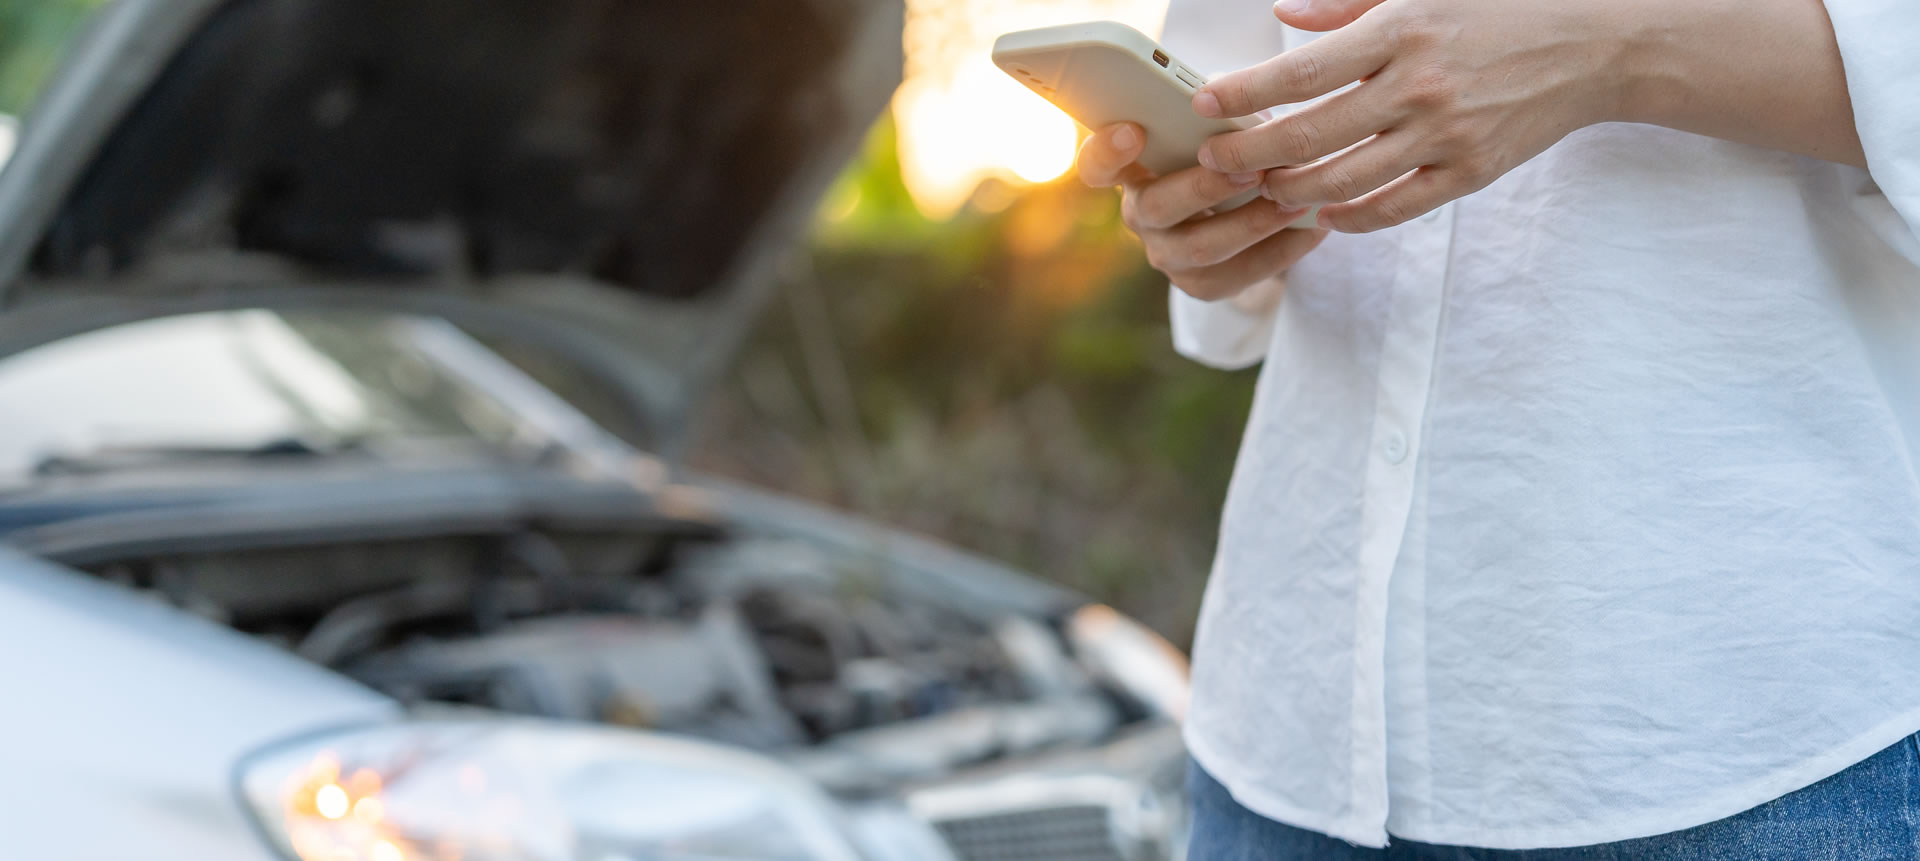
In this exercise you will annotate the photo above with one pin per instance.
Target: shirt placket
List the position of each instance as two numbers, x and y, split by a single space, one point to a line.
1407 354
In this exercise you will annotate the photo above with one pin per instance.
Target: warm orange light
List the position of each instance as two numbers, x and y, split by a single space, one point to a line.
325 767
331 801
364 782
369 810
961 121
335 813
978 125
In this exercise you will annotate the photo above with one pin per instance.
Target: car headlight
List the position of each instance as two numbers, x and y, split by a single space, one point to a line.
521 789
1132 658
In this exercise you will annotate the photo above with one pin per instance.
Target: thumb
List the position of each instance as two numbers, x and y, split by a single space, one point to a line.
1320 15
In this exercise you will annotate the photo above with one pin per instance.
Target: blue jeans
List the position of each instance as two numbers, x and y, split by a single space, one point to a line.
1870 811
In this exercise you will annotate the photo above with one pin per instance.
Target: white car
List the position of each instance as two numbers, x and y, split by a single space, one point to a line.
346 348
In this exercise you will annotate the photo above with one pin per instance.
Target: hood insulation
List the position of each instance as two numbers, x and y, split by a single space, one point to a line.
634 143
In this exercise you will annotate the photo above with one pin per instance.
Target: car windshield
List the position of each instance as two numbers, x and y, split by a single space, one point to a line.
252 381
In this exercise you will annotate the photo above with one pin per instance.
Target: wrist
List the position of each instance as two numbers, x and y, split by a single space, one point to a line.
1646 92
1652 76
1763 72
1608 48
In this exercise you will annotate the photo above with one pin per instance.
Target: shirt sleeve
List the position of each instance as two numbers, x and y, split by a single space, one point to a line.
1218 36
1219 334
1880 49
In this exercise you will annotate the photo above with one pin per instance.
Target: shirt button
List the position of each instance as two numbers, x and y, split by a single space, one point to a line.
1394 447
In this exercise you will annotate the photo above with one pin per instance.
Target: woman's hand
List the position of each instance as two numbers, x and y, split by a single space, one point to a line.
1208 255
1450 95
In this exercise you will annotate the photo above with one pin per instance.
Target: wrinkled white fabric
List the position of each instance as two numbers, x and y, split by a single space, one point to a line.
1584 508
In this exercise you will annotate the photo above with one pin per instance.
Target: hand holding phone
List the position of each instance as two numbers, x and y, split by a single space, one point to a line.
1104 72
1196 224
1210 255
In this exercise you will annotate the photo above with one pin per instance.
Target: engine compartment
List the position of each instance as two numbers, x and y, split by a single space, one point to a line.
765 643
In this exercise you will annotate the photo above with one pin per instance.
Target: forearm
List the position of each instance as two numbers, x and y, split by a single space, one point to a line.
1761 72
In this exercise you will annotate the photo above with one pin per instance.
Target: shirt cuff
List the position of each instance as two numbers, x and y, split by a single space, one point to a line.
1878 40
1218 334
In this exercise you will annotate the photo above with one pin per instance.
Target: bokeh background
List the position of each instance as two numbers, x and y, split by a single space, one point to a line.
969 346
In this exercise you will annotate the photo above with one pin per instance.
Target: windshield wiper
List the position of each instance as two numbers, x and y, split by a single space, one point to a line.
115 457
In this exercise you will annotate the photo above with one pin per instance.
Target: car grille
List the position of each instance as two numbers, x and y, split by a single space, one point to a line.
1065 833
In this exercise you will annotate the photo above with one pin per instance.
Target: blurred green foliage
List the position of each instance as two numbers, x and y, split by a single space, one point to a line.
1004 380
33 35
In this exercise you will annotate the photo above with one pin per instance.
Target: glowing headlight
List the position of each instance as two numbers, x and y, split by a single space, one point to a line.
482 790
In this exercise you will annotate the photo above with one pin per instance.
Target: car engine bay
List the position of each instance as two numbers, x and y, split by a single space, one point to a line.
1000 731
765 644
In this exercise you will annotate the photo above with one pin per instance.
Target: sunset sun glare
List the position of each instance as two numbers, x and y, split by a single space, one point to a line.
961 121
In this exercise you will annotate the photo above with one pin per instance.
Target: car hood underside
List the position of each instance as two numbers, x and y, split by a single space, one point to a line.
656 146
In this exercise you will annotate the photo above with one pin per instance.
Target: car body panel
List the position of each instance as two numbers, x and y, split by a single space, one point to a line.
126 717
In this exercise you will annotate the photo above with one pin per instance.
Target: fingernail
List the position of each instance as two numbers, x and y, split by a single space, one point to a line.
1206 159
1124 138
1266 191
1292 7
1290 213
1205 104
1242 180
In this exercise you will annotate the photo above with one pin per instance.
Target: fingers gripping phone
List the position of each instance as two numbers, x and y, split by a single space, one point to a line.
1105 72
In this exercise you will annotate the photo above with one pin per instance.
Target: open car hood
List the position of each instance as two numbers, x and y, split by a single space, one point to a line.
656 153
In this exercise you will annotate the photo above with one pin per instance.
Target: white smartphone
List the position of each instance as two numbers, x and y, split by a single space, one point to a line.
1105 72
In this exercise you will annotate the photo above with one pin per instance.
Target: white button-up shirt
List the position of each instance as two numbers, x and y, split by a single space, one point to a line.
1586 507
